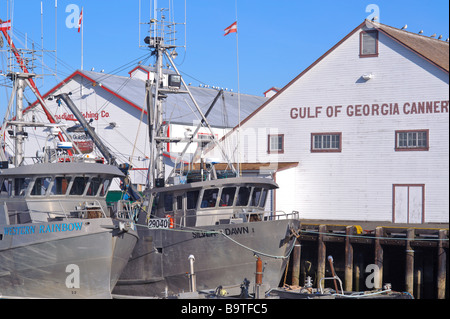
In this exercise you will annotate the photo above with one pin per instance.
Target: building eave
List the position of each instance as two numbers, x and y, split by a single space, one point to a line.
359 27
280 92
72 77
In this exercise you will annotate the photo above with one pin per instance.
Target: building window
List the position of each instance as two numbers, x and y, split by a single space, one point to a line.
368 46
412 140
276 144
326 142
208 138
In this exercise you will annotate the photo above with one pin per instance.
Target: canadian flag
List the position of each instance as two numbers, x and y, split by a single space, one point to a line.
6 25
80 20
232 28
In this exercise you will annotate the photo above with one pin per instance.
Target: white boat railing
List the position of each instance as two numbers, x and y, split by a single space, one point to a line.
205 218
127 209
85 210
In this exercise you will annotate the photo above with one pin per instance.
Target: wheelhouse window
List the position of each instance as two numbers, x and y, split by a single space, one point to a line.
227 197
326 142
256 196
262 202
243 196
41 185
210 198
6 187
192 199
412 140
94 186
78 186
276 144
21 185
368 44
60 185
179 202
104 187
168 202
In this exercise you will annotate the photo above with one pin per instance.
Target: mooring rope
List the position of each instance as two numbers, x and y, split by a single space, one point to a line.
221 232
255 251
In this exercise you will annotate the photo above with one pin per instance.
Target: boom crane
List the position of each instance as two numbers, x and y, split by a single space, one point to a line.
128 186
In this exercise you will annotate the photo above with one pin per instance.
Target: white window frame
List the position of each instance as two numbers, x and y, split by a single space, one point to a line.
326 142
275 144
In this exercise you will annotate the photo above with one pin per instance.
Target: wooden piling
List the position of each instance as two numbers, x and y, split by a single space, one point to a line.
429 276
296 264
321 254
419 275
424 273
442 260
409 268
379 256
359 272
349 231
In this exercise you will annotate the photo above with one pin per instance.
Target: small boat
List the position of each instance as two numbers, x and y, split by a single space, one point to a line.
289 292
309 292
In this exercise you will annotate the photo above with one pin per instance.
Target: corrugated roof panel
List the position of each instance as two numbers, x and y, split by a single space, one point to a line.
178 107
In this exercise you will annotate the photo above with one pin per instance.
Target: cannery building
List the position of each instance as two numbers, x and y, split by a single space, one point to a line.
367 124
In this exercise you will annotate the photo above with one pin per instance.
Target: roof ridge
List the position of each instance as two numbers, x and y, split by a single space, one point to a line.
425 37
106 75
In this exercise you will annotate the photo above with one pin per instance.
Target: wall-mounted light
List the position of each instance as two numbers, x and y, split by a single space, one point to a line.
367 76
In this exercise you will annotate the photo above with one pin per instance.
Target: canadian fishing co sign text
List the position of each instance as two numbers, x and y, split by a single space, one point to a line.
87 115
374 109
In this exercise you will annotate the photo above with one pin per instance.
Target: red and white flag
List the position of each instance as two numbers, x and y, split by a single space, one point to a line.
80 20
6 25
232 28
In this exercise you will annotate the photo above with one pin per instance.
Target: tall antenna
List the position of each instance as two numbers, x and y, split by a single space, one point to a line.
21 61
162 42
160 23
29 54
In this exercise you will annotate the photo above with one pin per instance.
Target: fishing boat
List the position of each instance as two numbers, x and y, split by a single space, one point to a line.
203 229
58 237
221 224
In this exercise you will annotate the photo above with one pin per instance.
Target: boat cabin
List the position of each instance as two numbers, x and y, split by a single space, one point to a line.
67 190
222 201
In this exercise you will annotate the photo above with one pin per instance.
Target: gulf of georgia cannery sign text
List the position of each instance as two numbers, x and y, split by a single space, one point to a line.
375 109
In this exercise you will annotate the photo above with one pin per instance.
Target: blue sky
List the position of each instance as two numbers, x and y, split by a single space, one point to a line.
277 39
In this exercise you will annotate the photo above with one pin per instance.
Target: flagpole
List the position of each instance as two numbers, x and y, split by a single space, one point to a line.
239 96
82 35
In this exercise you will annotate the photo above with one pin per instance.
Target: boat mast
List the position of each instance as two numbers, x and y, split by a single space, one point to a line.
158 127
19 137
154 103
20 81
161 42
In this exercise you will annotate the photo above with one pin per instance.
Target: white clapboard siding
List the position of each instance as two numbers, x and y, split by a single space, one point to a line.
356 183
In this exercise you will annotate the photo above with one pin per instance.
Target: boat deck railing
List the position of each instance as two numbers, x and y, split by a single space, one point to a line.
205 218
127 209
53 156
87 210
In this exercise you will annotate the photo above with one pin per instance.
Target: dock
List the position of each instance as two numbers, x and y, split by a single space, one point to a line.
411 258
